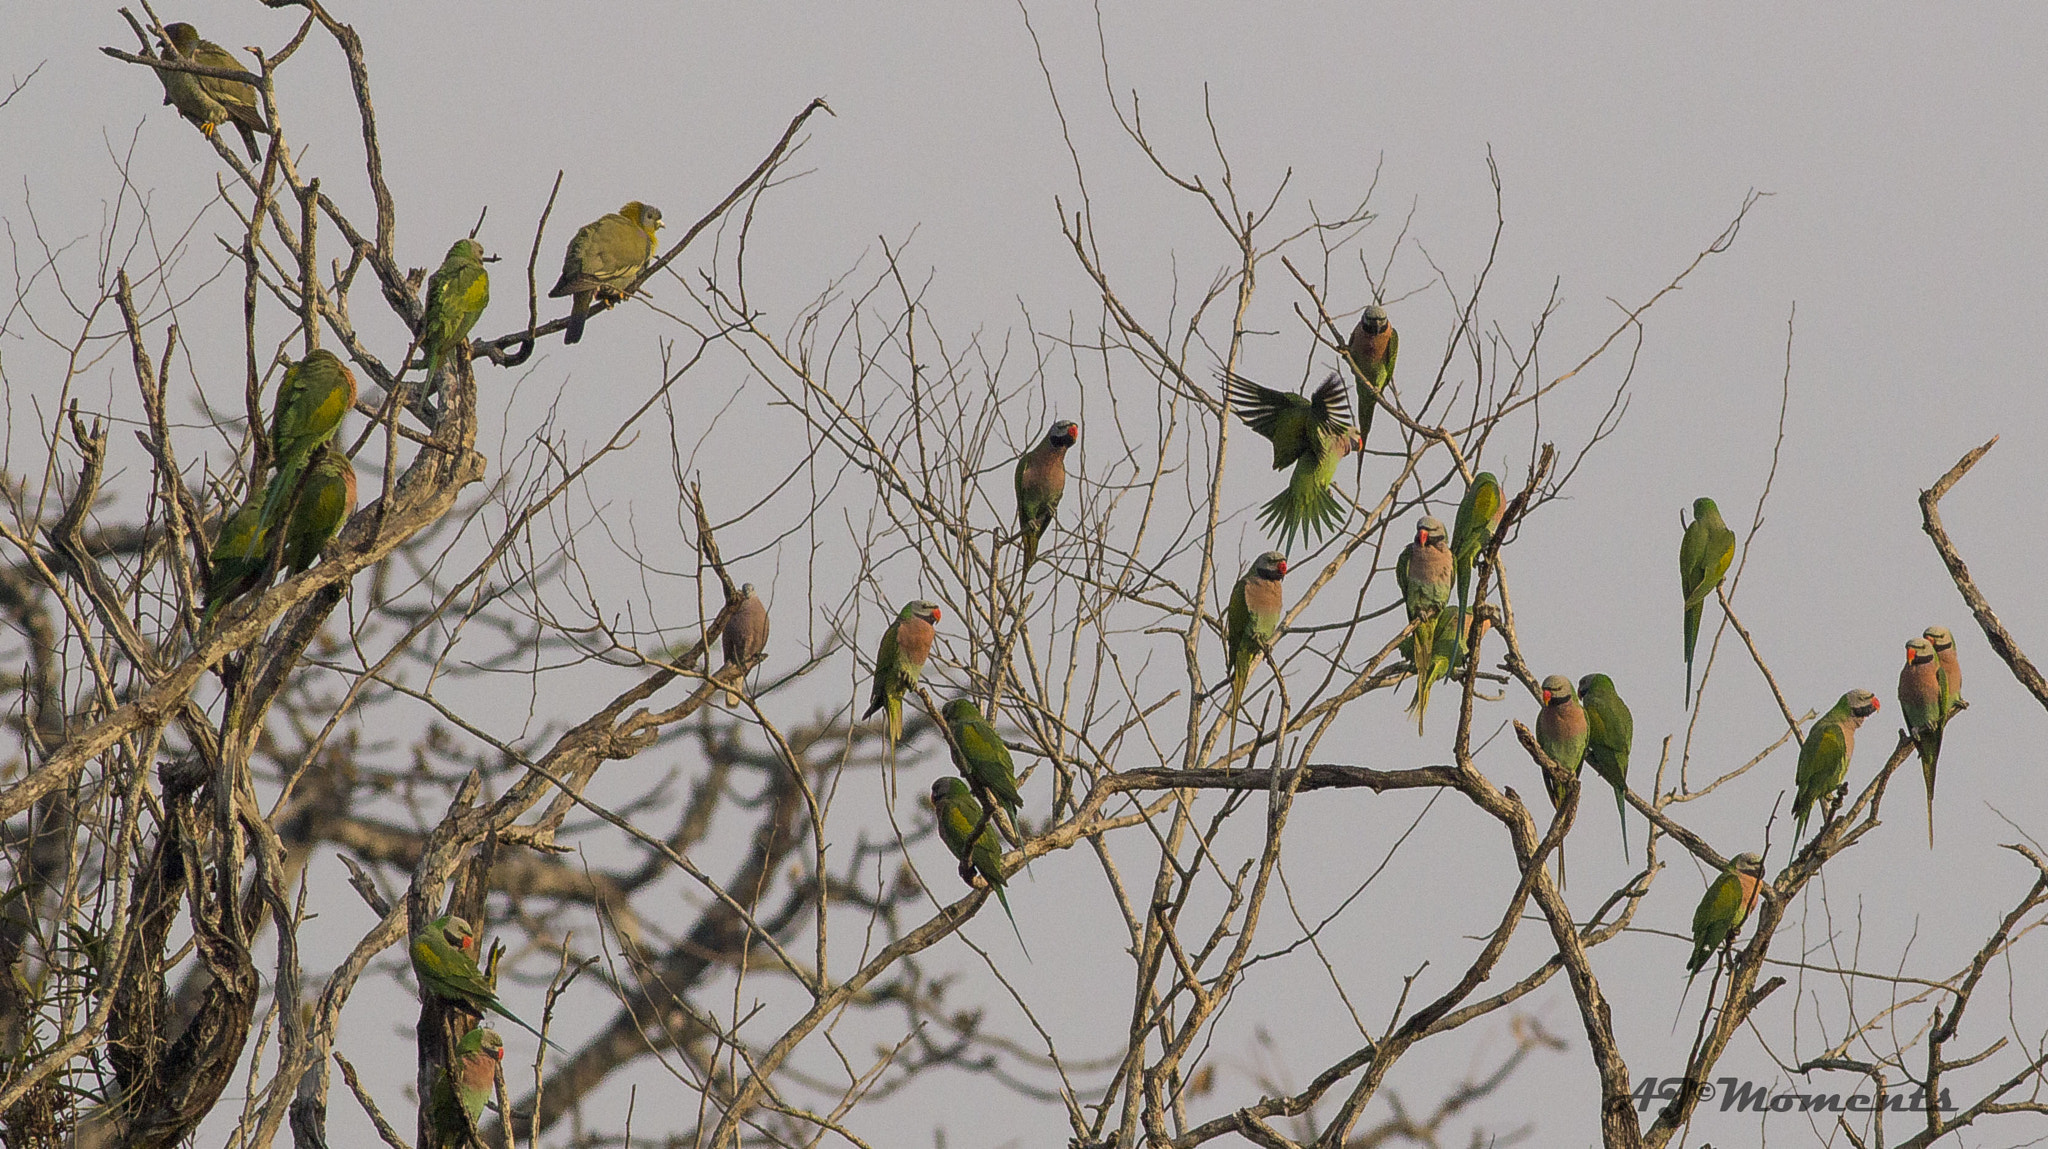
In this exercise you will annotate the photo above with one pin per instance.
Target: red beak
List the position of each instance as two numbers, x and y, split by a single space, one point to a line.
937 614
1546 698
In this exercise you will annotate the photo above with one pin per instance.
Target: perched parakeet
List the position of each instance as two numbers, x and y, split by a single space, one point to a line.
314 395
1424 573
900 661
1703 558
1720 915
206 101
981 756
1041 480
1951 670
746 634
1478 515
444 959
457 294
1446 662
1310 434
1610 734
326 499
465 1087
1562 730
1374 346
1252 619
959 812
604 259
1920 706
240 553
1824 756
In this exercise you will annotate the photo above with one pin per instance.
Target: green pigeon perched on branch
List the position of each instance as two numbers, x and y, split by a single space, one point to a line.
980 755
1372 350
327 498
444 959
978 851
1723 909
206 100
745 635
465 1087
1424 572
604 259
1041 480
1478 517
899 661
1446 661
240 553
1610 734
1920 707
1703 558
457 294
311 400
1309 433
1824 756
1252 619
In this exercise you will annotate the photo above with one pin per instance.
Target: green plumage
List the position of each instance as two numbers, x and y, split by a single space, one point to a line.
464 1087
1447 659
1478 516
1423 572
1824 755
1704 555
240 552
311 400
457 294
1252 619
327 498
444 959
1610 735
978 852
604 259
1371 352
1310 434
980 755
1723 909
899 662
206 101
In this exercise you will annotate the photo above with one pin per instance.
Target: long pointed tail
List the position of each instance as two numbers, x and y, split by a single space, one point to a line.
1621 811
1692 637
508 1015
1005 899
1928 755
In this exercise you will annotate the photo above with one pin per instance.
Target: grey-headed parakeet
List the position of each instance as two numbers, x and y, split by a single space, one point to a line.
1610 734
981 756
1041 480
465 1087
604 259
1478 516
1824 756
978 852
1723 909
1703 557
444 959
311 400
1252 619
899 661
206 100
1373 347
745 635
1309 433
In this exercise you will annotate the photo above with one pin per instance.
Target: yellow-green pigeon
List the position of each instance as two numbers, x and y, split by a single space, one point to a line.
605 258
205 100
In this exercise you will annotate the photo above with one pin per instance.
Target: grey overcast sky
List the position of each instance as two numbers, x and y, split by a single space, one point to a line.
1902 150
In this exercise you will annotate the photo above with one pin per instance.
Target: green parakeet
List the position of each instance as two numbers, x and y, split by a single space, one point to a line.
1723 909
240 553
899 661
1824 756
326 499
1562 731
1703 558
1373 348
959 812
314 395
981 756
1424 573
1610 734
206 101
457 294
1478 515
1310 434
1447 660
465 1087
444 959
1041 480
604 259
1252 619
1920 706
745 635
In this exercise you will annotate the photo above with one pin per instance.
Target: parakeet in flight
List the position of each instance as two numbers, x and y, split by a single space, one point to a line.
1308 433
